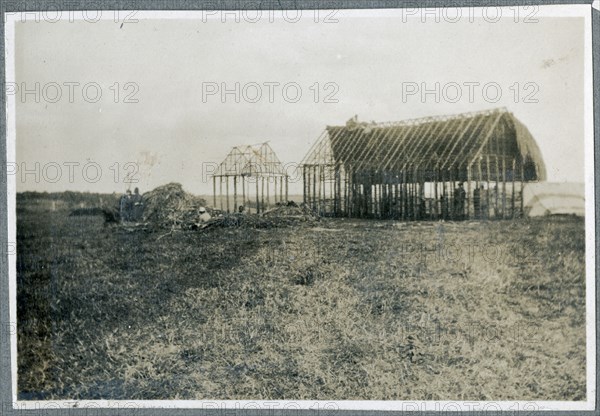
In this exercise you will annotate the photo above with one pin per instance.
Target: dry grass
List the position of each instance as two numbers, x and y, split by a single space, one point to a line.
339 310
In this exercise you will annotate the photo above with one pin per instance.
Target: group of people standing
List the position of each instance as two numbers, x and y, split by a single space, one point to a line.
457 209
481 201
131 206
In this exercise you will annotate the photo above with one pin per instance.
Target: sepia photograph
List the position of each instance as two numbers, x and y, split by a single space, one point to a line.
326 209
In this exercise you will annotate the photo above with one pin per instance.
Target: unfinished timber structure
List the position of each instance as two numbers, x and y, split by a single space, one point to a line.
464 166
250 176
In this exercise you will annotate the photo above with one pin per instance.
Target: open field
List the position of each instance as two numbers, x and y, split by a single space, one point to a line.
343 309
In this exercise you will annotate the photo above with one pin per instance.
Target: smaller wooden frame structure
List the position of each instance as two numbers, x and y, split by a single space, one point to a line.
251 175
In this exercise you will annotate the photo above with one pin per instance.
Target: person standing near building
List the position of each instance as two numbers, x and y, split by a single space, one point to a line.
495 202
459 202
477 202
125 205
137 202
484 203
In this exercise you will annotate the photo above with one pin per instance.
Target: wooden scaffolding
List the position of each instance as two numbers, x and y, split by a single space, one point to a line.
250 176
464 166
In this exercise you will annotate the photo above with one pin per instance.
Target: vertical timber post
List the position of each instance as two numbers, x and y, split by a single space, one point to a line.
415 203
345 207
257 196
512 199
244 191
480 182
314 190
405 191
522 186
350 191
215 192
268 194
319 194
303 184
281 190
221 192
227 191
435 193
469 192
503 187
235 204
497 193
262 193
487 195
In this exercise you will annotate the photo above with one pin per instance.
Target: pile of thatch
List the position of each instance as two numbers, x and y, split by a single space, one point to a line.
284 214
291 210
229 220
169 206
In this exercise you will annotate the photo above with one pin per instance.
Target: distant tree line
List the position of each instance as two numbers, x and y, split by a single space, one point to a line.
70 198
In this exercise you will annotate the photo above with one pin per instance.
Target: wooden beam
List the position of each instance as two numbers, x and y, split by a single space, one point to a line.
268 178
244 191
445 156
304 182
487 194
314 184
257 197
435 194
469 199
397 146
235 205
320 191
512 210
215 192
262 193
487 137
497 189
350 190
221 192
503 187
345 207
522 186
227 192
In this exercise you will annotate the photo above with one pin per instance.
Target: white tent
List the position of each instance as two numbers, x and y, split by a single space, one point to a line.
547 198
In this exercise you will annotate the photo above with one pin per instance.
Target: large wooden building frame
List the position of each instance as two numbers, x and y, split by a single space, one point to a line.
471 165
251 176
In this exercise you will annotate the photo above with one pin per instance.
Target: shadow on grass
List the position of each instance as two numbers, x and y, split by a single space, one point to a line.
77 278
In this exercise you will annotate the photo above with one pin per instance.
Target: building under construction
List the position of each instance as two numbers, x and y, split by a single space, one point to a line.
464 166
250 176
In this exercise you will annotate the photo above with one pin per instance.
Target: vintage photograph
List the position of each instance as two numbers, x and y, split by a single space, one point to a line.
387 205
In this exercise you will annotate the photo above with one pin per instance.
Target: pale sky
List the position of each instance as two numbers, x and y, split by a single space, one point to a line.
170 132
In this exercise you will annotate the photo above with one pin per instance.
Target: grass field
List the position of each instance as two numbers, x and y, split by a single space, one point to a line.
344 309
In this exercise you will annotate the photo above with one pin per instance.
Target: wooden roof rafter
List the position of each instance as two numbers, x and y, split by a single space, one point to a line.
429 143
251 160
